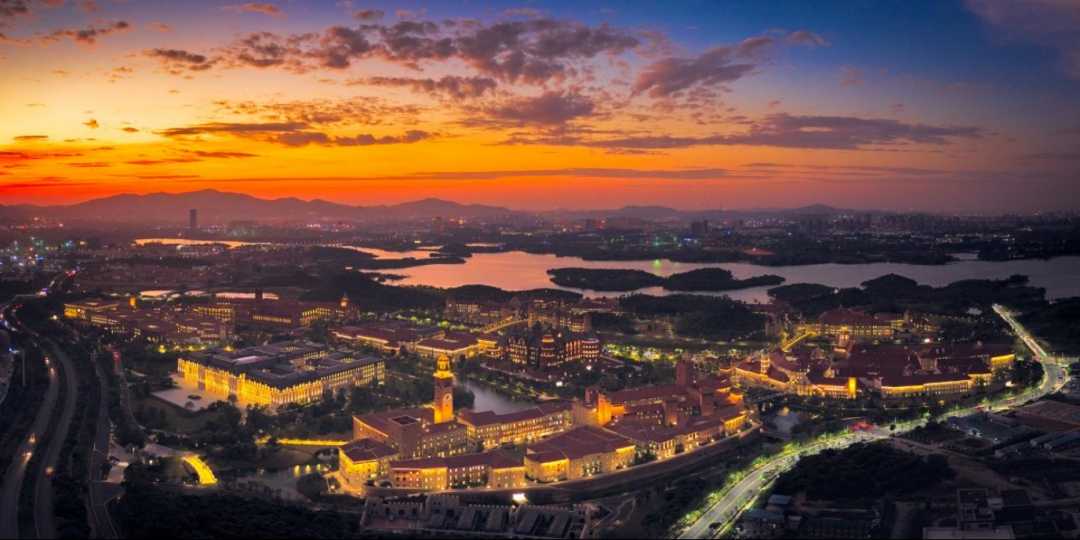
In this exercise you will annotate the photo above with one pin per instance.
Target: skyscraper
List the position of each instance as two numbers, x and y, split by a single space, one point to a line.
193 219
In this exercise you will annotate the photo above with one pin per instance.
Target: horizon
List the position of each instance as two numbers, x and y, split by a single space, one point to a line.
548 106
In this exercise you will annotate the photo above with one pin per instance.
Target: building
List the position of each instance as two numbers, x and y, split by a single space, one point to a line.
545 349
578 453
854 323
488 429
193 219
443 407
278 374
365 460
384 337
495 469
454 345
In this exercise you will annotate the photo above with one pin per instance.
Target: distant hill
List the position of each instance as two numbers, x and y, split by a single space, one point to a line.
219 207
222 207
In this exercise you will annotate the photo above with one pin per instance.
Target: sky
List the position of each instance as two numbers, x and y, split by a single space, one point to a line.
965 106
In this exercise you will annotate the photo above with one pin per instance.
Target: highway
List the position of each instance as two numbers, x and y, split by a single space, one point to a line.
99 492
44 517
16 472
741 496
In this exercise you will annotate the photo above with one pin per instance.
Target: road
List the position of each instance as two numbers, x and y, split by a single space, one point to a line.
16 472
101 493
44 517
741 496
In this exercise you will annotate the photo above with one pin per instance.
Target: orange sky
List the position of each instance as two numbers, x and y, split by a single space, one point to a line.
275 103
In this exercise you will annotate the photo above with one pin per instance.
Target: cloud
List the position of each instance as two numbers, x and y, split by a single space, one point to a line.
806 37
451 86
129 129
254 7
9 9
787 131
177 61
369 15
88 35
673 74
92 124
232 128
291 134
850 76
162 161
304 138
159 27
548 109
30 138
1050 23
88 164
674 174
208 154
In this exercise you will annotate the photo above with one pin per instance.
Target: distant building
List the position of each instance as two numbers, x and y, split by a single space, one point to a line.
193 219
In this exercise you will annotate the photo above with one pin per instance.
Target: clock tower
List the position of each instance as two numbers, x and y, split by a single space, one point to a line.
444 391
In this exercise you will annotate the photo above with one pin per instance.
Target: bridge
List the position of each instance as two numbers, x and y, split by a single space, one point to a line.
788 343
500 325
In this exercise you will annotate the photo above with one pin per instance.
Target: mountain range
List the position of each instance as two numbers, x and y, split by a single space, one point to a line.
218 207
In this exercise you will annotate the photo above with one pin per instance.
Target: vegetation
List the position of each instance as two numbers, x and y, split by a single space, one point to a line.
1058 323
698 316
893 293
704 279
863 471
148 511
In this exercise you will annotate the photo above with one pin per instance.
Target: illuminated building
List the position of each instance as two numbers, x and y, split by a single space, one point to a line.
443 406
891 371
384 337
578 453
545 349
858 324
278 374
365 459
413 432
451 344
491 430
496 469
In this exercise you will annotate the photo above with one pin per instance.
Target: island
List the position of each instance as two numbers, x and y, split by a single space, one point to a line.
622 280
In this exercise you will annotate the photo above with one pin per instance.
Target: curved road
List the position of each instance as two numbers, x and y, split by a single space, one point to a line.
44 517
741 496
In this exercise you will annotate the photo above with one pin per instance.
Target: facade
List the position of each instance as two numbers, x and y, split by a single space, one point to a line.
161 325
365 460
454 345
546 349
278 374
491 430
578 453
496 470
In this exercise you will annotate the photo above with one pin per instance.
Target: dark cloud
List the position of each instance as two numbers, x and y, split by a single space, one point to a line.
785 131
548 109
670 75
10 9
806 37
88 164
30 138
254 7
232 128
450 86
304 138
369 15
1050 23
88 35
92 124
177 60
130 129
162 161
208 154
674 174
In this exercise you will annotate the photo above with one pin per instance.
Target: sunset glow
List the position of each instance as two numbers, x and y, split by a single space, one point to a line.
965 106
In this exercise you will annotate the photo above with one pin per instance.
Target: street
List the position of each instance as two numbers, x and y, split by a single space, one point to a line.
741 496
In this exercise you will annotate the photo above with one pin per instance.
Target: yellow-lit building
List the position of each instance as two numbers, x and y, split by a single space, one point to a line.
365 460
496 470
490 430
579 453
279 374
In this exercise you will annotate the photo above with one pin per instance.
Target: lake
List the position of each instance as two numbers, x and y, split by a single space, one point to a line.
489 399
518 270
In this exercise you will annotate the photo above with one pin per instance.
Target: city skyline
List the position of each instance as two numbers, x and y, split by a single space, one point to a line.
959 106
